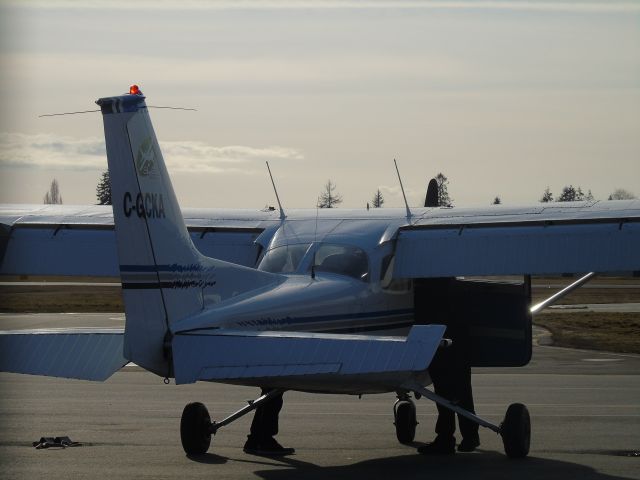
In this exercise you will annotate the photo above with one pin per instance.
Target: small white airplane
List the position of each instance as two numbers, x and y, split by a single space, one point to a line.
329 301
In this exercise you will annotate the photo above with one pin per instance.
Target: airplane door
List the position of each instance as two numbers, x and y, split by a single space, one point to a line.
499 321
4 240
491 318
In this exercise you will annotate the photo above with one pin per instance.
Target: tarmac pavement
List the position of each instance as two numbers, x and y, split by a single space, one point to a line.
585 409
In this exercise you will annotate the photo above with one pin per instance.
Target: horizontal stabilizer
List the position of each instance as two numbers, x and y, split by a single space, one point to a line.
85 354
304 361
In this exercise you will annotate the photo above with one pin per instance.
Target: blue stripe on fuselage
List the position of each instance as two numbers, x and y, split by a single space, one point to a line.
325 318
384 320
174 267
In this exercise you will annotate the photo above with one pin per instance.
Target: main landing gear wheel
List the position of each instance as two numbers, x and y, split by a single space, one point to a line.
516 431
404 412
195 429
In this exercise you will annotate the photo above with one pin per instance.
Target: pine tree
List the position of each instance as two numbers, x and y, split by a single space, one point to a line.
574 194
497 201
378 199
443 195
568 194
546 196
103 190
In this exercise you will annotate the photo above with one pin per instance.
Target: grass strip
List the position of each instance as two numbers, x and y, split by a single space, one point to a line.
610 331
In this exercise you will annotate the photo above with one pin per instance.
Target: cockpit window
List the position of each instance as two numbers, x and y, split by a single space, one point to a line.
284 259
386 270
387 281
342 259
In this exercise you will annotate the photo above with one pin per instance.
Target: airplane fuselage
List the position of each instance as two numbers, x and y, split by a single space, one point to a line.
346 279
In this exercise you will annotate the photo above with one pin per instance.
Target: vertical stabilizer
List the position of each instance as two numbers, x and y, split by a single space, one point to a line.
163 275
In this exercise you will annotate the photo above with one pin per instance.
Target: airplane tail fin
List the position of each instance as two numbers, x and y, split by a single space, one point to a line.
164 277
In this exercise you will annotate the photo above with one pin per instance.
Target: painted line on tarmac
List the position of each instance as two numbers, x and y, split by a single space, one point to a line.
592 352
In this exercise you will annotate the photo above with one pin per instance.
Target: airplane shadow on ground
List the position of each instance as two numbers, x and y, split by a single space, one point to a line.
462 466
208 458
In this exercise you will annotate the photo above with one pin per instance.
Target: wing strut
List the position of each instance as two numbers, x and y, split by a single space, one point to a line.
554 298
515 429
251 405
425 392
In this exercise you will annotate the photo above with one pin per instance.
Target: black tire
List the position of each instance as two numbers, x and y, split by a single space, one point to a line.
516 431
195 433
405 421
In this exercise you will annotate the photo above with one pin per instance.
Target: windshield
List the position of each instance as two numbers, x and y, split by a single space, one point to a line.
342 259
284 259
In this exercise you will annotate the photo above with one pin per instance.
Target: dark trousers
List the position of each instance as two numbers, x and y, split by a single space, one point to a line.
451 375
265 420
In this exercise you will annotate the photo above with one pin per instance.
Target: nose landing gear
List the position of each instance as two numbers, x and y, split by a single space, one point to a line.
515 431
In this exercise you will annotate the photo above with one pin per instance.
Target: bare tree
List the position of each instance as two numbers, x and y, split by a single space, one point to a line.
378 199
444 200
327 198
621 194
546 196
53 197
103 190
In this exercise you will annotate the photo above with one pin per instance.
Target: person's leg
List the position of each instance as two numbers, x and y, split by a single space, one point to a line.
468 428
265 419
264 427
445 441
446 423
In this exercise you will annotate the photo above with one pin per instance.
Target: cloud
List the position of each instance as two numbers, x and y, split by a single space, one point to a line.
51 151
58 152
394 192
202 157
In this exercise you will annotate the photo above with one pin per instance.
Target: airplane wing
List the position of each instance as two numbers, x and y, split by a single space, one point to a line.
86 354
80 240
550 238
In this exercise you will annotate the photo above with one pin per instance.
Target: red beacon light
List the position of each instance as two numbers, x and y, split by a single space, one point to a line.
135 90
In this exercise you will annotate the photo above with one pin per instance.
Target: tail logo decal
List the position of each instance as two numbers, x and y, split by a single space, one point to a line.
146 158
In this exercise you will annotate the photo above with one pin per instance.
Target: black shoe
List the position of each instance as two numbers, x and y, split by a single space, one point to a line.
469 444
440 446
268 448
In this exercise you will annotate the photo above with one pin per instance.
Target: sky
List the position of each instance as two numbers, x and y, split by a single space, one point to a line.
503 97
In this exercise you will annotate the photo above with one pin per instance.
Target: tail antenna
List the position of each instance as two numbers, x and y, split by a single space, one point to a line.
282 215
402 188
